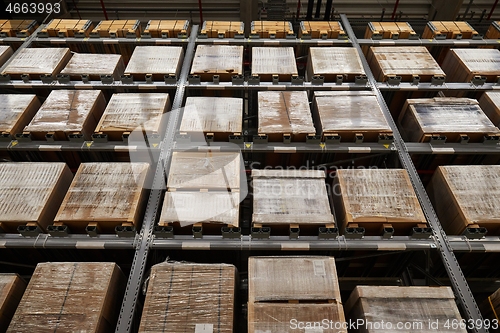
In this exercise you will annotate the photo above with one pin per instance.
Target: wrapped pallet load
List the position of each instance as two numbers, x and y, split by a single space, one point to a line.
11 290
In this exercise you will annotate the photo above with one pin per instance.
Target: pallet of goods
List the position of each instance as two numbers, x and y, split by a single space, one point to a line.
334 64
220 62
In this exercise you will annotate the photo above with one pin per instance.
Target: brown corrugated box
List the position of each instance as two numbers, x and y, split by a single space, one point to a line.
155 60
389 30
466 195
167 28
31 193
321 29
490 104
5 53
222 60
16 111
185 297
330 62
449 29
17 28
406 305
106 195
462 65
94 65
68 28
38 61
448 116
11 290
68 111
267 29
70 297
226 29
269 61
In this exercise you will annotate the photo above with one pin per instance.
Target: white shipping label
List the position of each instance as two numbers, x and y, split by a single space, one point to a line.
204 328
319 267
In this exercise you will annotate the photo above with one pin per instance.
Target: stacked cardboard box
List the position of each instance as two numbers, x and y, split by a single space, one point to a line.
17 28
11 290
375 199
222 29
493 31
390 30
463 65
16 111
31 193
222 60
5 53
167 28
421 119
70 297
270 61
117 28
449 30
321 29
466 197
104 196
67 28
272 29
155 60
38 61
94 65
490 104
185 297
68 112
283 291
490 307
331 62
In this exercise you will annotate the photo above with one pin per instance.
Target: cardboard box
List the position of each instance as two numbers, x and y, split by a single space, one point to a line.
449 30
38 61
94 65
11 290
269 61
222 29
330 62
5 53
16 111
462 65
321 29
490 104
222 60
272 29
155 60
389 30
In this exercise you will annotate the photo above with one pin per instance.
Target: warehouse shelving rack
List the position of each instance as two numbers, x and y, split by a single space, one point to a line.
145 240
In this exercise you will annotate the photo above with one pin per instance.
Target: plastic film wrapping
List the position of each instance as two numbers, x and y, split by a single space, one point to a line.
465 195
290 196
155 60
414 306
16 111
284 112
334 60
70 297
38 61
480 61
31 192
106 193
348 111
224 60
204 170
95 65
445 116
69 111
11 290
379 195
185 297
490 104
127 111
273 60
5 53
189 208
213 115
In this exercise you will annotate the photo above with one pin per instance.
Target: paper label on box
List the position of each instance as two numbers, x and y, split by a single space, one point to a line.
313 330
319 267
204 328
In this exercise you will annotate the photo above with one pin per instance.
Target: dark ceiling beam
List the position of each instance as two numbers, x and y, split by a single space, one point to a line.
444 10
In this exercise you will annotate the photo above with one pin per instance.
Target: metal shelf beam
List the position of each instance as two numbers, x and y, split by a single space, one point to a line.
107 41
430 42
452 148
425 86
81 242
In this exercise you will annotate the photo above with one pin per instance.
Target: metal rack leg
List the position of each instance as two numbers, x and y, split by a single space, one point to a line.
453 269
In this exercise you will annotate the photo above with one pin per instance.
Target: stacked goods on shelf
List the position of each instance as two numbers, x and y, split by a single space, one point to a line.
127 112
378 200
284 291
353 115
11 290
32 193
271 29
490 104
493 31
66 28
332 62
291 199
167 29
203 191
449 30
117 28
466 197
490 307
155 61
463 65
216 117
221 60
93 66
17 28
321 29
70 297
445 118
67 114
16 111
390 30
186 297
271 62
103 196
416 309
37 62
284 116
222 29
5 53
408 62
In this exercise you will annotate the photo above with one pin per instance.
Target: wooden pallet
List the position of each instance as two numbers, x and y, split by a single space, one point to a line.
222 29
493 31
490 104
390 30
407 62
330 62
36 62
67 28
155 61
271 29
225 61
449 30
65 113
463 65
12 287
93 66
167 29
17 111
17 28
117 28
321 29
458 117
127 112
